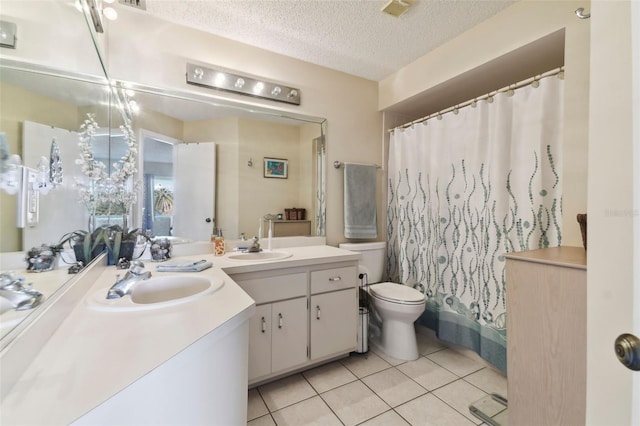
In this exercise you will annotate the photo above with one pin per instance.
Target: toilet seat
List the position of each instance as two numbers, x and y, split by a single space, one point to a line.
396 293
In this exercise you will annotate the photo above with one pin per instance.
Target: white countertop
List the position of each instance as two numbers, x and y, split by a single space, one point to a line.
94 354
44 282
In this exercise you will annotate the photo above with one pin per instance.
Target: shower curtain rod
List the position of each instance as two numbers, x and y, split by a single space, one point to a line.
510 88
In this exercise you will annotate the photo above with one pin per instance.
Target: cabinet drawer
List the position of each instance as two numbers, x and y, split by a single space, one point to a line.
280 287
333 279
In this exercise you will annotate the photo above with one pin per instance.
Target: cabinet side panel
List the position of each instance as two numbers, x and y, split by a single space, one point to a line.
546 341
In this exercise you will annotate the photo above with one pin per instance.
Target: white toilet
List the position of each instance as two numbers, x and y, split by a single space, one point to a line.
397 305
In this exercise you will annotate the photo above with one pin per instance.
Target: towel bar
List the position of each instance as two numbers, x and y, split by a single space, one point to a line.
337 164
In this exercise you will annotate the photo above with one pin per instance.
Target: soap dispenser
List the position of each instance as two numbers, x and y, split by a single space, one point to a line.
218 244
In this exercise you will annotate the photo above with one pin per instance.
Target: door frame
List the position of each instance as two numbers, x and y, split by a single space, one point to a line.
613 271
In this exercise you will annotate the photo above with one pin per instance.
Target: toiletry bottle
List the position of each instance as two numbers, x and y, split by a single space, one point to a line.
218 243
214 235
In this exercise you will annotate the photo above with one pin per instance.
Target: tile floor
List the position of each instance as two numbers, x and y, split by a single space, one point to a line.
374 389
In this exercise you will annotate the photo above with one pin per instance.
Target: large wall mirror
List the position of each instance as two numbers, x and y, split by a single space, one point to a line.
228 189
40 105
193 153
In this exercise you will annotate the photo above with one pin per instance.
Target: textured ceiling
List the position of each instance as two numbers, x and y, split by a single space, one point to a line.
352 36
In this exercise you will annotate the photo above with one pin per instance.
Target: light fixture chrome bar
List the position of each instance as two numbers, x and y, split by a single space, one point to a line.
224 80
94 10
8 32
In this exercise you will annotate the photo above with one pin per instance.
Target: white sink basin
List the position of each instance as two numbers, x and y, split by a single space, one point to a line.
260 256
157 292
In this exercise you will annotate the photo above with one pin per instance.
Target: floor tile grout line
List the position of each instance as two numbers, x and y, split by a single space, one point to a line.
453 372
478 387
331 409
454 408
390 408
325 402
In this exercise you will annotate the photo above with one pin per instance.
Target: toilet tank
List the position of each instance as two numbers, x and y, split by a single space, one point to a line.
372 260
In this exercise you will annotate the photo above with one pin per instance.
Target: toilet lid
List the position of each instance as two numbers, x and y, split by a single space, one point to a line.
398 293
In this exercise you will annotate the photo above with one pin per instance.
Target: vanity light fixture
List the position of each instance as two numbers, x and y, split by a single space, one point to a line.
96 15
97 11
8 32
231 82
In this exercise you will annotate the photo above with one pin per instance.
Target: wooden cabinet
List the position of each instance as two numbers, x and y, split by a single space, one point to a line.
289 228
304 316
546 336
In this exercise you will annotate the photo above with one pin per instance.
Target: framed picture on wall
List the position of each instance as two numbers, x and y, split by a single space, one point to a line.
276 168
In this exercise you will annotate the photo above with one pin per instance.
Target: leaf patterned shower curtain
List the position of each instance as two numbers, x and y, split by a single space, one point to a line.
465 189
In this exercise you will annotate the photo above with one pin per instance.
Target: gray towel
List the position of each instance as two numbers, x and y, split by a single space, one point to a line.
360 215
178 265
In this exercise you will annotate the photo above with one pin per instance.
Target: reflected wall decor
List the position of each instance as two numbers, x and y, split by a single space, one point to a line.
276 168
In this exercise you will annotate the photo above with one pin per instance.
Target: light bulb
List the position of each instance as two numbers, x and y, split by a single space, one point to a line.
110 13
258 87
220 78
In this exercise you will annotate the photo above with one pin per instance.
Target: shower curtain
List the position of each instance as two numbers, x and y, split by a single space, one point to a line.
464 189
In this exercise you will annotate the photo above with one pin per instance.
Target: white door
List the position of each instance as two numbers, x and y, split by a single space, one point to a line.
195 172
288 334
613 253
260 342
334 323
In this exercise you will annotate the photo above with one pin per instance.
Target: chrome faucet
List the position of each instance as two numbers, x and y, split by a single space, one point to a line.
134 275
255 246
20 296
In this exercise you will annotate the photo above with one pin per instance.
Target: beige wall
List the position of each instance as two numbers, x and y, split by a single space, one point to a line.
243 194
260 195
516 26
157 56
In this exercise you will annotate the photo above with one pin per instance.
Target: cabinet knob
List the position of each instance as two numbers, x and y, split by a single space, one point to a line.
317 312
264 325
335 279
280 321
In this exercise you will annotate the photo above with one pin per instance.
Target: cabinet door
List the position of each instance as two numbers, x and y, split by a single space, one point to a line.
289 335
334 318
260 342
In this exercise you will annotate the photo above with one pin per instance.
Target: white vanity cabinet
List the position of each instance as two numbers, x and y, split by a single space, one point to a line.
304 316
278 337
334 311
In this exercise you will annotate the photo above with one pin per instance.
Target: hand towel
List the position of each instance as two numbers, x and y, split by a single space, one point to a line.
182 266
360 212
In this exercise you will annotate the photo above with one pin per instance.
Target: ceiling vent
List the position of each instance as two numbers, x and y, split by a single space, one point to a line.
138 4
397 7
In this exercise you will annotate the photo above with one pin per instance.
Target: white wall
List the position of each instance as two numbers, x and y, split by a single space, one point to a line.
513 28
149 51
